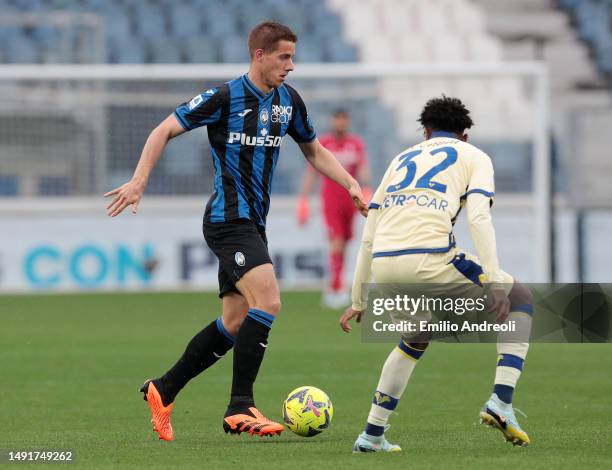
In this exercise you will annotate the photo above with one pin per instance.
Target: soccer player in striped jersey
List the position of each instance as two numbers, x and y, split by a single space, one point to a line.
246 120
408 239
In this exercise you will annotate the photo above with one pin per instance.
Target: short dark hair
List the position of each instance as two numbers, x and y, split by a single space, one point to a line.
267 34
446 114
341 112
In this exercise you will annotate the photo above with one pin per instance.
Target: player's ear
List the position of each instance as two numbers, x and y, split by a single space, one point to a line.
259 54
464 137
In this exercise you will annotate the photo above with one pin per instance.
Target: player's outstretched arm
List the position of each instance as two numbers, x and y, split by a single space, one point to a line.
131 192
325 162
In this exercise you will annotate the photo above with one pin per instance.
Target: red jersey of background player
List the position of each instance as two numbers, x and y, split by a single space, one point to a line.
349 150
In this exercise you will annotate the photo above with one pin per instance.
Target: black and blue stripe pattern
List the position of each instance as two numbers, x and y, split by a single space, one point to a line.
223 331
262 317
245 130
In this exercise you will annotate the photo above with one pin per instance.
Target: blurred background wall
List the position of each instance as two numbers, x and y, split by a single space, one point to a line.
64 141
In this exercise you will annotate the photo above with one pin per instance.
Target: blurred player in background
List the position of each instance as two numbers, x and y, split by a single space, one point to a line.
338 209
408 239
246 120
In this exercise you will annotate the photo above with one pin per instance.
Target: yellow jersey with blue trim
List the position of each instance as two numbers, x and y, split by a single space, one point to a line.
422 193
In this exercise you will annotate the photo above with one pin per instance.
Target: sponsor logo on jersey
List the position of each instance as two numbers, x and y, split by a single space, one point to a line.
255 141
281 114
421 200
245 112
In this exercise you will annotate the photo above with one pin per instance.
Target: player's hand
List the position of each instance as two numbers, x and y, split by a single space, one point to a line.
128 194
500 303
348 315
303 211
358 199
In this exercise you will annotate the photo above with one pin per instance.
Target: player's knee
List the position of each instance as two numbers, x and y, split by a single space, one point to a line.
521 298
233 324
271 305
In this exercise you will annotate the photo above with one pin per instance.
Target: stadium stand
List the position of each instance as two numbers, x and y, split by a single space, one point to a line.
210 31
575 41
593 18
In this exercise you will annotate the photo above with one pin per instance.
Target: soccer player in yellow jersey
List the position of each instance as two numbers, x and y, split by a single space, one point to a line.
408 239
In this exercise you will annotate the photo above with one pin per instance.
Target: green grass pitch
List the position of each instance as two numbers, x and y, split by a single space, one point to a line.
70 367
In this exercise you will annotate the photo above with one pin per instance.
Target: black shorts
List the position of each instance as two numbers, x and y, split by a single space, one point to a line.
239 245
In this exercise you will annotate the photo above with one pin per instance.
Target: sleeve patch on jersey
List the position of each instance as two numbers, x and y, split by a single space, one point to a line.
196 100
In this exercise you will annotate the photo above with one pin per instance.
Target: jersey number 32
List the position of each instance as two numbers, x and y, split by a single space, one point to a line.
424 181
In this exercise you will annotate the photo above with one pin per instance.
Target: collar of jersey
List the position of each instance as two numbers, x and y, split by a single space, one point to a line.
435 134
251 86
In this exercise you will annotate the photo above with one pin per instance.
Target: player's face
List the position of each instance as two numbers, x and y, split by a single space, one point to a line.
340 123
277 64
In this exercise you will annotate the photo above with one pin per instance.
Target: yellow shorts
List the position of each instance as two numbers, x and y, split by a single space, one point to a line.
454 266
454 274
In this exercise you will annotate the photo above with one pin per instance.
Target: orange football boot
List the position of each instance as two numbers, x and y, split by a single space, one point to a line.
252 421
160 414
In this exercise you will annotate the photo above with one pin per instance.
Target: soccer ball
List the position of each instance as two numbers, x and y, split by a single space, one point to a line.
307 411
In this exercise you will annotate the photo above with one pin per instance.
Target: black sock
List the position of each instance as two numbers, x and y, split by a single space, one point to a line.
249 349
203 351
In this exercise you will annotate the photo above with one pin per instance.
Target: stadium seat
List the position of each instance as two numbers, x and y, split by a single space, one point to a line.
149 21
413 49
469 20
132 52
379 49
164 51
483 48
310 50
447 48
202 49
185 21
220 19
325 24
21 50
9 185
117 23
234 50
27 5
53 186
558 55
525 49
341 51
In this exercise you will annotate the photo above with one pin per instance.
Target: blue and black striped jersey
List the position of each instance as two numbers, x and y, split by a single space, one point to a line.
245 130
